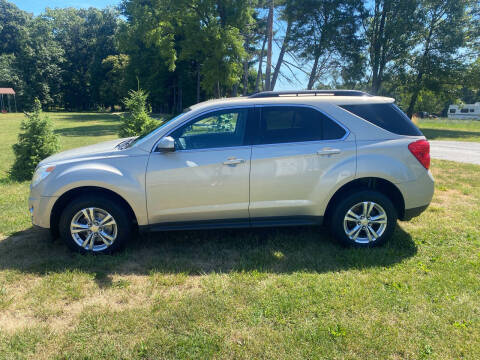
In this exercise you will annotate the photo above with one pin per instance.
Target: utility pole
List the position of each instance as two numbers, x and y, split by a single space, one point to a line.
269 48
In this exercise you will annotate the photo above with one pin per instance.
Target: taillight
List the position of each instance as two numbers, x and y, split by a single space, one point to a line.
421 150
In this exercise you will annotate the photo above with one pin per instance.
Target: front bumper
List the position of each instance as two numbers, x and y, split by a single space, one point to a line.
40 209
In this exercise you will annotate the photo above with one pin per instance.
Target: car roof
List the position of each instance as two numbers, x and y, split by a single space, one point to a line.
293 99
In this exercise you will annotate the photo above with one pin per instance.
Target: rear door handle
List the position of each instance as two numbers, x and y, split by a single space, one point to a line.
233 161
328 151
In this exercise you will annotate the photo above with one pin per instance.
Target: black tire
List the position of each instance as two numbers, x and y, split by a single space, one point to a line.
114 208
346 203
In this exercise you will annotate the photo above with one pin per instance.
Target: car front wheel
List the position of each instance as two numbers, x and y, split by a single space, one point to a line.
364 219
95 224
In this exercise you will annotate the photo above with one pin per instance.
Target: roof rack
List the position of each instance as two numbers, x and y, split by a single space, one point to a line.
265 94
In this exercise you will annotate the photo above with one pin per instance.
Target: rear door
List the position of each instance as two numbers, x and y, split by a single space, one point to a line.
298 156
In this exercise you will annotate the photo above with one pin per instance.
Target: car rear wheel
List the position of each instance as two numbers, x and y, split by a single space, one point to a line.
364 219
95 224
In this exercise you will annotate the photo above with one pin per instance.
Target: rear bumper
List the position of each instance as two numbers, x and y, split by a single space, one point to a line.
417 195
414 212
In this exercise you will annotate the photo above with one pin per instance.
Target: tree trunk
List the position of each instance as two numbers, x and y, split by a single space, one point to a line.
174 106
269 48
198 82
421 70
180 100
281 55
313 74
260 64
245 77
378 48
245 71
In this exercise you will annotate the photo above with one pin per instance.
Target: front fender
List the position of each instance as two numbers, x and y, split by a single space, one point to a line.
124 176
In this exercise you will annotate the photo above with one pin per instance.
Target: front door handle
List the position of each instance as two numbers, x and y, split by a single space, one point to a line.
233 161
328 151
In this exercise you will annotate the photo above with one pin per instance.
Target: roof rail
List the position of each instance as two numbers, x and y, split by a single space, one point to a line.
265 94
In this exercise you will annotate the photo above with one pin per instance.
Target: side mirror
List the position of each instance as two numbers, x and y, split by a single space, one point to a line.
166 144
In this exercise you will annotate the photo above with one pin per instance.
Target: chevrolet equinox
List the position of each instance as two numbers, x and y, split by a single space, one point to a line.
345 158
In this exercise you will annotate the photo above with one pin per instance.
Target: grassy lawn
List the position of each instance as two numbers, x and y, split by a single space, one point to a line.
447 129
286 293
76 129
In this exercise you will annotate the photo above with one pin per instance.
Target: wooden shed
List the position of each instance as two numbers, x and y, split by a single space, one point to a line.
5 104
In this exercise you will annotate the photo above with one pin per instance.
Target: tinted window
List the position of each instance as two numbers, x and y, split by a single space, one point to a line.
472 110
464 110
224 128
386 116
281 124
453 111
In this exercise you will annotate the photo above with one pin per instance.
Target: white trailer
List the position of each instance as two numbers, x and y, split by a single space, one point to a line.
465 111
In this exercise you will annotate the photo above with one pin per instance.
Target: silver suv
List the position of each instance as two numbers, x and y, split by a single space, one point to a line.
344 158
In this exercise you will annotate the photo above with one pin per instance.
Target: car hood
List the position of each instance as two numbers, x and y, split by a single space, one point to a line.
102 149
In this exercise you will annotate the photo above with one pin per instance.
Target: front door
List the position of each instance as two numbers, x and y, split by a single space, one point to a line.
207 176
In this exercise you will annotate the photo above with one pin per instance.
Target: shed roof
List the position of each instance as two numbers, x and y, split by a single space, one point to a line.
7 91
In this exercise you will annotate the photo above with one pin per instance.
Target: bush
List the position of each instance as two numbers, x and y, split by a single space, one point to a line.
36 142
136 122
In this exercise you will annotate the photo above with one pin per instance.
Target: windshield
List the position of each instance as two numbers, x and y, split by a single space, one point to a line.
140 139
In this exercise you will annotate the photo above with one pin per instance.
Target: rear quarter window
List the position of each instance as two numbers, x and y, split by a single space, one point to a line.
387 116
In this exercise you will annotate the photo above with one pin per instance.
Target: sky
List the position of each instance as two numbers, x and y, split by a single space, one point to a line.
38 6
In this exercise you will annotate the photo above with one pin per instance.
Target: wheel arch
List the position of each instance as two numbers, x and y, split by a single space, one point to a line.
385 187
66 197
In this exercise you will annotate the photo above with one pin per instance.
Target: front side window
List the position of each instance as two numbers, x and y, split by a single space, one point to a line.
225 128
283 124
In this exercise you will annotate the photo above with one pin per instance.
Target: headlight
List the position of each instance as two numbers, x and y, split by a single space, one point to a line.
41 173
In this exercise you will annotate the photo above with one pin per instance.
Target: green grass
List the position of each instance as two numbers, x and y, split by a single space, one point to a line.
286 293
75 129
447 129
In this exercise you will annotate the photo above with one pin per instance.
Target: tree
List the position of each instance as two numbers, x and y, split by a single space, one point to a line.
40 63
193 48
269 44
30 57
87 37
114 83
136 122
389 29
436 54
326 33
14 24
36 142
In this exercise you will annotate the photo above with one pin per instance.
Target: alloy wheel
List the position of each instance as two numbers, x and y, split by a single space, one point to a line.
365 222
93 229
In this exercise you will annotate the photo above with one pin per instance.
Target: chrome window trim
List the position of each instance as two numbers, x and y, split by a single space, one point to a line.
206 149
254 106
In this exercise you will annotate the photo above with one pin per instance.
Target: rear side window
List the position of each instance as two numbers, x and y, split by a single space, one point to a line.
282 124
386 116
